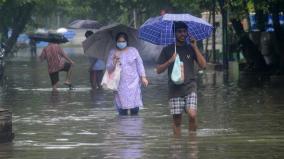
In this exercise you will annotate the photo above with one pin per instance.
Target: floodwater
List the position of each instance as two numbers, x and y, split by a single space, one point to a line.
236 119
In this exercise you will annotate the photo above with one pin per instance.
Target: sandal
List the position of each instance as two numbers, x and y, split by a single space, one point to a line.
69 85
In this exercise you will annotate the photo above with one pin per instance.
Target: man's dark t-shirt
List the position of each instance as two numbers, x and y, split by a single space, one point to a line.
187 56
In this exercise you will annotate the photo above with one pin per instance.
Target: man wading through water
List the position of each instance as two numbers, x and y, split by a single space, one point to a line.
182 97
57 61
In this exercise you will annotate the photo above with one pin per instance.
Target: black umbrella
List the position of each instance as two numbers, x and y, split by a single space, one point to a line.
103 40
49 37
85 24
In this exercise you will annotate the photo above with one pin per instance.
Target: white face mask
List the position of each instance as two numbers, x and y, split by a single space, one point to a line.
121 45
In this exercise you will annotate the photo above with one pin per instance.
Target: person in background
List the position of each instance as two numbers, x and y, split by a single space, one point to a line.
97 68
132 75
57 61
33 47
182 97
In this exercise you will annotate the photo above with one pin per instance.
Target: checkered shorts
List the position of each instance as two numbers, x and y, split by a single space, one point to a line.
180 104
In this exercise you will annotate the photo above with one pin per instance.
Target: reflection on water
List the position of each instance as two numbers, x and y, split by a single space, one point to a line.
186 147
242 119
126 137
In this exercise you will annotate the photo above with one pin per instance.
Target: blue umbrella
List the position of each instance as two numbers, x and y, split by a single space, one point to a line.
159 30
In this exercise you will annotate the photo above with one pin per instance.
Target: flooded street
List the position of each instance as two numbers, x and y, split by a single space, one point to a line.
238 119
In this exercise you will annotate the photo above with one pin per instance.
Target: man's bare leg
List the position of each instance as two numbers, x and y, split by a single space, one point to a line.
100 74
177 125
54 87
92 78
68 77
192 119
193 146
95 81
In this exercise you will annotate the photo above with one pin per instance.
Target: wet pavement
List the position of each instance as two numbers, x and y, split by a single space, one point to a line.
236 119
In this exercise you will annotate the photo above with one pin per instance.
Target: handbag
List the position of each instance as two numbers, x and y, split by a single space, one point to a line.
111 80
177 74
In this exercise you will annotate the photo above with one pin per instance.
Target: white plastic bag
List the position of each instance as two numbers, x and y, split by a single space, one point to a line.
111 80
177 74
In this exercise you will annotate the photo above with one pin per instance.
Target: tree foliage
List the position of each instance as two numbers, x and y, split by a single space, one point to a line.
16 14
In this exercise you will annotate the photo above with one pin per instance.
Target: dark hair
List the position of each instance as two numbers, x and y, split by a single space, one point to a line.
179 25
121 34
88 33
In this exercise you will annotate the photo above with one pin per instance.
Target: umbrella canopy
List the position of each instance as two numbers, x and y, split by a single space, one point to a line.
159 30
61 30
49 37
85 24
102 41
41 30
67 33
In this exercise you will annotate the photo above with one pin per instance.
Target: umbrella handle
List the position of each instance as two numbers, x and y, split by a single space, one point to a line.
175 37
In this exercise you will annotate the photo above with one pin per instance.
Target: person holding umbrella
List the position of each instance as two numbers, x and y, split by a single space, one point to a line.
57 61
180 33
183 96
128 96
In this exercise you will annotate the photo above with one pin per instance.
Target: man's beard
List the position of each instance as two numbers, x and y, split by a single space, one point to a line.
181 40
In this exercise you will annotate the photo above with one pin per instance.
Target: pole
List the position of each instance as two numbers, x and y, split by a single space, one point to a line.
224 12
214 31
134 18
207 40
58 19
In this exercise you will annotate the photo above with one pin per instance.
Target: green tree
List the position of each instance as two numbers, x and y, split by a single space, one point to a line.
16 14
